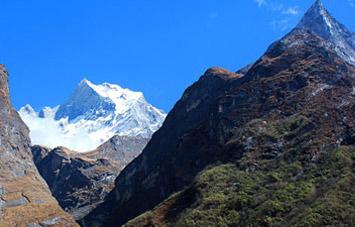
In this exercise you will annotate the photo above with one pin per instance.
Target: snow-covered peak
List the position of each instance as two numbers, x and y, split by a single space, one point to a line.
84 81
28 110
48 112
115 93
85 102
319 21
91 116
90 100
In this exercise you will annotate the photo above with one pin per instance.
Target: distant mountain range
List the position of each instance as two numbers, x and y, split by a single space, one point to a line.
272 144
91 116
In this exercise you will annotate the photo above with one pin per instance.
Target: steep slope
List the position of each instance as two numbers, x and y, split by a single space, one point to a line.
280 193
91 116
80 181
289 116
25 199
76 181
318 21
164 153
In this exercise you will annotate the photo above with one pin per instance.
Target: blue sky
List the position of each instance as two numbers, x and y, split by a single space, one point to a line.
158 47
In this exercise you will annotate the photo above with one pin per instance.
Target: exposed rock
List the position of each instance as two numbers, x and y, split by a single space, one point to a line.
318 21
122 149
170 152
80 181
276 110
20 184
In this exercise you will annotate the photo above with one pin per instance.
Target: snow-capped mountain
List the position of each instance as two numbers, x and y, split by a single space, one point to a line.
92 115
319 21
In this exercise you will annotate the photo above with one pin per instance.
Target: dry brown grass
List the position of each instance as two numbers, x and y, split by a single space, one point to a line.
41 205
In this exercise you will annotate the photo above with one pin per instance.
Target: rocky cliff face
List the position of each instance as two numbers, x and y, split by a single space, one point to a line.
276 128
25 199
78 182
81 181
122 149
319 21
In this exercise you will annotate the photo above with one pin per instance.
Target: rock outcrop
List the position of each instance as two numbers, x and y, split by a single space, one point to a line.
81 181
25 199
250 150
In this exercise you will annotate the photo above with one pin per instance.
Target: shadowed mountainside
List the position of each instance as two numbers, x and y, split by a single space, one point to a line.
80 181
264 146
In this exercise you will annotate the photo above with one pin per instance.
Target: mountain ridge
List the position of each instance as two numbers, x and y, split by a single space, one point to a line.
293 107
319 21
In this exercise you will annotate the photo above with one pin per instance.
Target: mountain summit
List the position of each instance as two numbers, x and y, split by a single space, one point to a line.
319 21
92 115
271 148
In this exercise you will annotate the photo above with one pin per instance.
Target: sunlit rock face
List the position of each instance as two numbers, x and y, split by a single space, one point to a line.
319 21
25 199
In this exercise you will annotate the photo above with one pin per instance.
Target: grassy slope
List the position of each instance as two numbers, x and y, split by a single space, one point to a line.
320 195
282 191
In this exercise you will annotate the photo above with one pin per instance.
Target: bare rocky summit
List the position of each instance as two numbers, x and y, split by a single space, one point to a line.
321 23
25 199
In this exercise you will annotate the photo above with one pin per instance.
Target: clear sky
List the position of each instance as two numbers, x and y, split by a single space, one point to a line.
158 47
